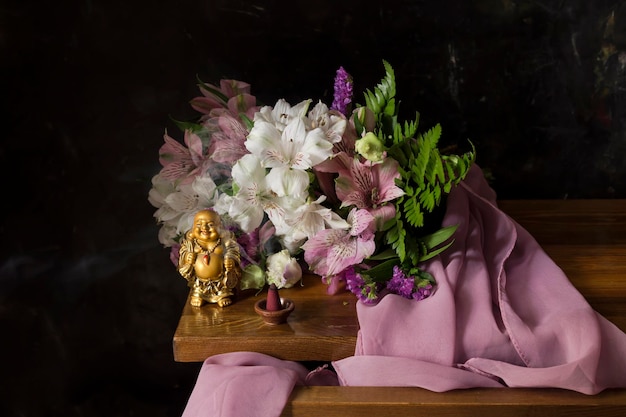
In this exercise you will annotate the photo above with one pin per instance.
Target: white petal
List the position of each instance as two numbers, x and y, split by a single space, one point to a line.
264 141
317 147
248 216
205 188
248 170
336 129
183 200
288 182
300 109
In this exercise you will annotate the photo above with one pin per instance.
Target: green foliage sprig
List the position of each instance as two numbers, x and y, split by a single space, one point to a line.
426 176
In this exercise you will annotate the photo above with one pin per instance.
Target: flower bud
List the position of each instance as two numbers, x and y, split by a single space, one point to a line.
366 117
283 270
370 147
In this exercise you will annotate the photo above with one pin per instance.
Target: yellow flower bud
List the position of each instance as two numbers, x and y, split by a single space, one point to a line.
370 147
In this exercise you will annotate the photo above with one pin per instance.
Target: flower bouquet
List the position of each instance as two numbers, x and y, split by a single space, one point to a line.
350 193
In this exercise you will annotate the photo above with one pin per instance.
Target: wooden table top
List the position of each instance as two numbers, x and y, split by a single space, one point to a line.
586 238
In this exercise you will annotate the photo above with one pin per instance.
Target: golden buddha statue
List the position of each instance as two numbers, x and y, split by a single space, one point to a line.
210 260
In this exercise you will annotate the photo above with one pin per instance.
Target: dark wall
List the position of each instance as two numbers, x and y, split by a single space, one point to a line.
89 300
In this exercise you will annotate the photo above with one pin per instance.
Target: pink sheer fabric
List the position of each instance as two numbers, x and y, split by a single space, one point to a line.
249 384
243 384
503 310
503 315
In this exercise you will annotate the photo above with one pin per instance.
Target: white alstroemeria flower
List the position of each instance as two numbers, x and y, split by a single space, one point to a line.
167 234
254 195
283 270
190 198
157 196
285 181
178 204
332 123
160 189
306 220
205 189
312 217
283 208
222 204
295 147
182 201
282 113
165 215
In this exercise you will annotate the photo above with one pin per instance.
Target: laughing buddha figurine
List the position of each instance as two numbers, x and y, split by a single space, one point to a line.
210 261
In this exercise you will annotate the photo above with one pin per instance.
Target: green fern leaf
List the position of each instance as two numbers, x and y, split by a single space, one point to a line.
413 212
395 237
381 100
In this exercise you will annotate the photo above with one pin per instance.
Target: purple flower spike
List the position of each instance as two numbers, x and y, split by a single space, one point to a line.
343 92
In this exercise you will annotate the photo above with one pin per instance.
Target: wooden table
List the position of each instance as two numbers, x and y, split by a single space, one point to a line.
321 327
586 238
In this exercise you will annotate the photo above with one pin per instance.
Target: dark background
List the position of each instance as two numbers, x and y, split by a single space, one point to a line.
89 300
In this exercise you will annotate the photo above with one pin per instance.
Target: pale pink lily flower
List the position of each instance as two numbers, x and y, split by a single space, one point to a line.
326 173
370 186
332 250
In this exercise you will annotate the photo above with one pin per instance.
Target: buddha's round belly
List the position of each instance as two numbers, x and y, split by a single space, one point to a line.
209 267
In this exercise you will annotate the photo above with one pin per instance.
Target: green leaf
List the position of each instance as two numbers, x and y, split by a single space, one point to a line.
247 121
437 238
252 276
193 126
424 278
217 93
433 253
381 272
384 255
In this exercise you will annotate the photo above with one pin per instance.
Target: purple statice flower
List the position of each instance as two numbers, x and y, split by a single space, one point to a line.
401 284
249 247
175 253
366 292
343 92
422 292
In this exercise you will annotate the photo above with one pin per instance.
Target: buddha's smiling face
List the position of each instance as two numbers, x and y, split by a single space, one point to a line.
206 226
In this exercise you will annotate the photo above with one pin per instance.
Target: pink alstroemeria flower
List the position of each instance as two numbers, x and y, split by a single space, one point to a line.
332 250
227 139
181 162
369 186
232 96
